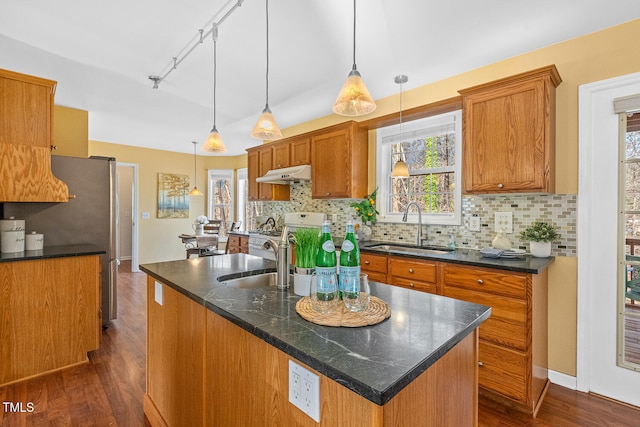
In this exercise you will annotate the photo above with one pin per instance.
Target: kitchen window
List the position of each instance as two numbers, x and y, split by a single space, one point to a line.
432 149
220 196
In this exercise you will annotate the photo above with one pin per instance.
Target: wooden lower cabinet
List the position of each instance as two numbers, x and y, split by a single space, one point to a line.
513 341
513 357
203 370
237 244
50 315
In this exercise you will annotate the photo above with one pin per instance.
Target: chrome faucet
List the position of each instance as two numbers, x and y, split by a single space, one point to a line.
404 219
281 250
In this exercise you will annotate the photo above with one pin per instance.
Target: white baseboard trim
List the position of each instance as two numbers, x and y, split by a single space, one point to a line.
563 380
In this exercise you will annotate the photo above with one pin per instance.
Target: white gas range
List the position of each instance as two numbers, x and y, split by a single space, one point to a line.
292 220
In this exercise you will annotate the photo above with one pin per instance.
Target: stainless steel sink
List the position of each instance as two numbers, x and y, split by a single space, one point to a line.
256 281
409 249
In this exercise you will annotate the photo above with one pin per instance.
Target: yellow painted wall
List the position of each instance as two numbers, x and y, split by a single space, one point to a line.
70 131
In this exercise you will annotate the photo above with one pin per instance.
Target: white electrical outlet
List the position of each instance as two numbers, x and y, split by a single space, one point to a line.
503 221
304 390
474 223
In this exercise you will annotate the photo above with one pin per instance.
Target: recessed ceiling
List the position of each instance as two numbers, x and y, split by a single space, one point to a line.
102 53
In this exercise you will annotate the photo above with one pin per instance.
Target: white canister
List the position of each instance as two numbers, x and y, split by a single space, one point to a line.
11 224
34 241
12 241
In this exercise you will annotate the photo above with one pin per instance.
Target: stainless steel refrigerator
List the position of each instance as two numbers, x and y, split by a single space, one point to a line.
90 217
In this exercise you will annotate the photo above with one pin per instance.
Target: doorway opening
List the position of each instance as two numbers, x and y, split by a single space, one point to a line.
127 217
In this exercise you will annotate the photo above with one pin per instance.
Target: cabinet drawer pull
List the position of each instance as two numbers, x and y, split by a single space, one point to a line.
367 262
411 270
480 281
500 185
480 364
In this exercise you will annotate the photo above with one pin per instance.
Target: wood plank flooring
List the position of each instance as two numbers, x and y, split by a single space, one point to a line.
108 390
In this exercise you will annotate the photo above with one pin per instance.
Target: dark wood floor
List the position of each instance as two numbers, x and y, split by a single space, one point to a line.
108 390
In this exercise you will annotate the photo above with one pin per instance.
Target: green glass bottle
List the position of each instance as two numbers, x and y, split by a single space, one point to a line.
349 263
326 264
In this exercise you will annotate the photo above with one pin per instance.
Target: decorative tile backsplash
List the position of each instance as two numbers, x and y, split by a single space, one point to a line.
558 209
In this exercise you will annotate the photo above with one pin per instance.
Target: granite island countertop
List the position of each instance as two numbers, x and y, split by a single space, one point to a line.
53 252
374 361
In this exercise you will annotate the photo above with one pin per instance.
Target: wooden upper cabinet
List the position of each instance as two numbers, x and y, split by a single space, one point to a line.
260 161
26 129
339 162
281 157
300 149
509 134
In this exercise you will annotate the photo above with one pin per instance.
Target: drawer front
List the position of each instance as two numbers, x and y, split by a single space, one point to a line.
422 271
414 284
374 276
371 262
503 371
233 240
512 285
507 324
244 245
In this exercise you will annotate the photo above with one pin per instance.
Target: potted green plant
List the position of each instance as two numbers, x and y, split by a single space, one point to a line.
540 235
306 247
366 210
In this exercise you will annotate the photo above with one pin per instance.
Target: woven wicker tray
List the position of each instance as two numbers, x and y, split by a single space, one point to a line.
376 312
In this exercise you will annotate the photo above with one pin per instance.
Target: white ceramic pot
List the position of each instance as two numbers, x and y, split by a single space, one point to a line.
540 249
302 281
12 241
364 233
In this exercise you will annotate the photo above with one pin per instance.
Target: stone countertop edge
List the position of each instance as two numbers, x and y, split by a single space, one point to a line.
465 256
49 252
438 324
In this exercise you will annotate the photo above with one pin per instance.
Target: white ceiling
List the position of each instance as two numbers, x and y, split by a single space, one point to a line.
101 54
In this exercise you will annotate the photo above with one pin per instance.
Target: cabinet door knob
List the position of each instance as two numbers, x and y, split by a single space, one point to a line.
500 185
411 270
367 262
480 364
326 194
480 281
411 285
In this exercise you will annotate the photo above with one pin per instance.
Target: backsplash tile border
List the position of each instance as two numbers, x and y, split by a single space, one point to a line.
559 209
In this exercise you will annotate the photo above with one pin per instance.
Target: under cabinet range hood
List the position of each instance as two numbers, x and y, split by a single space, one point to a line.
286 176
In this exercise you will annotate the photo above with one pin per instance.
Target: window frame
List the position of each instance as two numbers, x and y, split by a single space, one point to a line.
383 171
215 174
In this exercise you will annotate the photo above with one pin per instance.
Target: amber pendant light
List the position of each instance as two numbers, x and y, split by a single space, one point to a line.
354 99
266 128
214 143
195 191
400 170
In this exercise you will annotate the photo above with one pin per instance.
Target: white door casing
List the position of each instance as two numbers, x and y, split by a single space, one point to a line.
598 241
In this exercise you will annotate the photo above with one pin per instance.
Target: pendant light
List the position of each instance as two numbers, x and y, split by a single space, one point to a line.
214 143
400 170
266 127
195 191
354 98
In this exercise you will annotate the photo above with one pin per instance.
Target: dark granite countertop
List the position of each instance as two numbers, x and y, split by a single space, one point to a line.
527 264
53 252
374 361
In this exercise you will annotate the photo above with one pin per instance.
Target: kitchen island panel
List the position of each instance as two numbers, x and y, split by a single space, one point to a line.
247 384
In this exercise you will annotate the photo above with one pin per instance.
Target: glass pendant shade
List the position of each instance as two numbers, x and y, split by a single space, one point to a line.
214 143
266 128
195 192
354 99
400 170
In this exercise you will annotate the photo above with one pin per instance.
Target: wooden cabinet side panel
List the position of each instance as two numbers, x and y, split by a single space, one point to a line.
175 356
247 384
444 395
253 169
539 336
25 112
48 315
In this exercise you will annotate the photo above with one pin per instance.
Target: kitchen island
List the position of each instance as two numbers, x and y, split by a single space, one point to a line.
218 355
